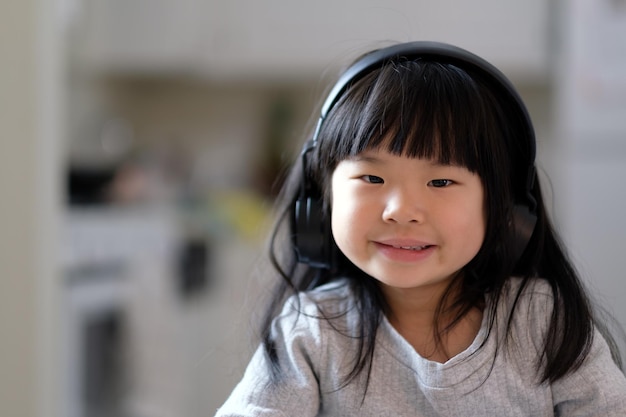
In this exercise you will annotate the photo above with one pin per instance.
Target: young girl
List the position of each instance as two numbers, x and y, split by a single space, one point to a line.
420 275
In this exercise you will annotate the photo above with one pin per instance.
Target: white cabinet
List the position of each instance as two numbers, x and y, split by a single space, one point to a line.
276 38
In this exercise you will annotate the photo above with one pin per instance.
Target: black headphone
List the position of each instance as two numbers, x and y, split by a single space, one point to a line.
312 237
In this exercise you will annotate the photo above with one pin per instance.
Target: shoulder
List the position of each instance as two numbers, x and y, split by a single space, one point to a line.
326 300
335 294
526 300
532 296
524 313
310 313
527 287
299 357
314 334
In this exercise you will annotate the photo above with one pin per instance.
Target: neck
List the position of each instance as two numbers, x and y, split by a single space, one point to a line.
420 304
435 331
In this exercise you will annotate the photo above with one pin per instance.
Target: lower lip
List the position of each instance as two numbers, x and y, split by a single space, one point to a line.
404 255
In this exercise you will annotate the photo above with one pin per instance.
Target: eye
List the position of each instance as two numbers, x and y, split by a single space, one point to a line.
440 183
372 179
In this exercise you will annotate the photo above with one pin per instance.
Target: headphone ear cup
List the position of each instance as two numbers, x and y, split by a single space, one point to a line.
524 221
311 237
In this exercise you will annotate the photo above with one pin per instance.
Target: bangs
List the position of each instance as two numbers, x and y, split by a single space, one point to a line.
418 109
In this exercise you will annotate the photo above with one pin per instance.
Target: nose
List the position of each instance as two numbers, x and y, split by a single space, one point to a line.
404 206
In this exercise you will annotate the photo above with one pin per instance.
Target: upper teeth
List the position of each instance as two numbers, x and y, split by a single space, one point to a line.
410 247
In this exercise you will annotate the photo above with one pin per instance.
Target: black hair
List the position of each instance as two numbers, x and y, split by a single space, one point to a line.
430 109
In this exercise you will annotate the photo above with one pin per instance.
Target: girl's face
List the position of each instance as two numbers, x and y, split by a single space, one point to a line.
407 222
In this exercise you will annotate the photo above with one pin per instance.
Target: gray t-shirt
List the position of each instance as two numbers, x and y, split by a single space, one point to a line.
491 380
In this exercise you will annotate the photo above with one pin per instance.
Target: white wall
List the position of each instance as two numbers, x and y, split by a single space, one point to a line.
591 129
30 51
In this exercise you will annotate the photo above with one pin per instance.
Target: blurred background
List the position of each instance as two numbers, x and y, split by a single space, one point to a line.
141 141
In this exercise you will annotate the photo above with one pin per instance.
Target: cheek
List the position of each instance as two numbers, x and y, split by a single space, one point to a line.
475 225
343 212
348 231
340 230
477 231
466 221
345 215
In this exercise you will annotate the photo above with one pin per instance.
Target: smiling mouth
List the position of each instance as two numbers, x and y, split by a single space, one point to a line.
414 248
